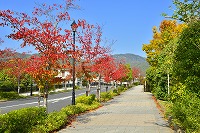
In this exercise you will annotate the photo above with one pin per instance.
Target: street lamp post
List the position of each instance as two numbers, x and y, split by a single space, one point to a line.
74 27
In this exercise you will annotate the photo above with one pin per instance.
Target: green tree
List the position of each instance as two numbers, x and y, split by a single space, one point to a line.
26 82
186 11
187 58
7 83
128 76
160 55
168 30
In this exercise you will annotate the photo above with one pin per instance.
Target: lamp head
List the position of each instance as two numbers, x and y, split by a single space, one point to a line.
74 26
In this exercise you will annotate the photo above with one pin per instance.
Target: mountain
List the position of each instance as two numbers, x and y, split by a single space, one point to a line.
133 60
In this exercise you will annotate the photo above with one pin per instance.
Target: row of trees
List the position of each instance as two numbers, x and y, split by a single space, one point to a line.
44 30
15 71
173 55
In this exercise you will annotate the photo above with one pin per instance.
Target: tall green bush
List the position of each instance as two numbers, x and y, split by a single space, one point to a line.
186 113
186 64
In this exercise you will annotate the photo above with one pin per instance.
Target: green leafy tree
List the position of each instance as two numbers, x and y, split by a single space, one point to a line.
168 30
187 58
7 83
186 11
129 76
160 54
26 82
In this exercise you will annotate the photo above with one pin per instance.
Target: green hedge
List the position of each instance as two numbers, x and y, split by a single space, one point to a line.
86 99
21 121
185 109
52 122
105 96
186 113
57 120
10 95
121 89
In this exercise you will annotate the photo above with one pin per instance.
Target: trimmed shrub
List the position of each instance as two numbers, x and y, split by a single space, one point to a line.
10 95
115 92
136 83
121 89
105 96
94 105
86 99
70 110
81 107
21 121
52 122
77 87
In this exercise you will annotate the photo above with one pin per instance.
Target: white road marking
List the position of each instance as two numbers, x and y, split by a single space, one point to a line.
17 105
52 101
58 99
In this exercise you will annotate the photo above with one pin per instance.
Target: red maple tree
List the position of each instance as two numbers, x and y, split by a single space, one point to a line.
105 66
120 72
135 72
43 30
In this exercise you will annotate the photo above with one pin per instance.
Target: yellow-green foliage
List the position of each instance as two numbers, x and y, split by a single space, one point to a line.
52 122
105 96
186 113
86 99
21 121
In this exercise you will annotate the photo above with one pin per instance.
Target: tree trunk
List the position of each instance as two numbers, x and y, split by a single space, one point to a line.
106 88
45 101
81 81
99 89
18 85
45 96
31 88
88 88
168 83
39 97
98 95
65 85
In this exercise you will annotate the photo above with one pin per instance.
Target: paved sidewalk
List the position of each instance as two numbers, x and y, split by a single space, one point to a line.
132 112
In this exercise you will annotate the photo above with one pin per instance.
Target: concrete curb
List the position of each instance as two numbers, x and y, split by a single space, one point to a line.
175 127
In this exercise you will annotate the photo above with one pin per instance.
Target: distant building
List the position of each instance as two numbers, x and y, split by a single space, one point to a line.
64 75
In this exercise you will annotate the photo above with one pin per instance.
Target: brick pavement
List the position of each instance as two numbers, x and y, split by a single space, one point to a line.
134 111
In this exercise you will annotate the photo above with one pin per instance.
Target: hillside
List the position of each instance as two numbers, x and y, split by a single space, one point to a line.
133 60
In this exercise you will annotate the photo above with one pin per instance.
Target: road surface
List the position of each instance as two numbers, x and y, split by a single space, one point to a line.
55 101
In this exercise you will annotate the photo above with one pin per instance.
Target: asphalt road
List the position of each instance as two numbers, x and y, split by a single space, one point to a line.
55 101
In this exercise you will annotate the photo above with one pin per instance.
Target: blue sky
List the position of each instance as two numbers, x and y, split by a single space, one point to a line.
126 22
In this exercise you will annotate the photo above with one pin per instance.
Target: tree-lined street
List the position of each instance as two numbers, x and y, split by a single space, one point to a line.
70 51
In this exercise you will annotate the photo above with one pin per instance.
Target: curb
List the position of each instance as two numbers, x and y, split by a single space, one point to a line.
174 126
